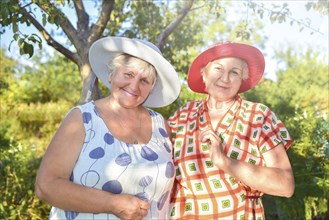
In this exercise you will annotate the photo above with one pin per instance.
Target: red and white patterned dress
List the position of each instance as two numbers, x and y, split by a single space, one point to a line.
201 190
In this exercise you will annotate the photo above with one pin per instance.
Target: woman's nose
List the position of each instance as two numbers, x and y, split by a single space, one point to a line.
225 76
134 84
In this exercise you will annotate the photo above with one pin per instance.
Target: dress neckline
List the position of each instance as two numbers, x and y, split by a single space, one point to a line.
109 131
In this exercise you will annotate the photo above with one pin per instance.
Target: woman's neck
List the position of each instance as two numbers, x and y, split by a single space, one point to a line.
219 106
217 110
123 111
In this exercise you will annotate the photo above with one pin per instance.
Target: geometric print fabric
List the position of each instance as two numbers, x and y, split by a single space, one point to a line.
202 191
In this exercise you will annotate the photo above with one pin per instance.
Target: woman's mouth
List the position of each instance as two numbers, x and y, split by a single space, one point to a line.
129 93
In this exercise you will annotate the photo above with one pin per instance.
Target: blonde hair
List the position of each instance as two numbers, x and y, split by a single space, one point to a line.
245 70
133 62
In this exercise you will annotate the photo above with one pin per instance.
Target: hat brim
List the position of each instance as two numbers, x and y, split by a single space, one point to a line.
253 57
167 86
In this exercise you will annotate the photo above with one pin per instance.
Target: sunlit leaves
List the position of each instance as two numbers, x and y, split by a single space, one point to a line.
13 13
26 42
322 6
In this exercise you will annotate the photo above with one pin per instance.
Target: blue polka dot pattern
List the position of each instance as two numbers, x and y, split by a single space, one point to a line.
143 170
86 117
149 154
113 186
108 138
145 181
170 170
163 132
123 159
97 153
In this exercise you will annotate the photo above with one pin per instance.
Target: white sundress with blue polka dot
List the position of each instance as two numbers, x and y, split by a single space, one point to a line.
143 170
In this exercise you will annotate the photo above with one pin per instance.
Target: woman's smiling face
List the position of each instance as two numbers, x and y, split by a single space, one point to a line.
130 87
223 77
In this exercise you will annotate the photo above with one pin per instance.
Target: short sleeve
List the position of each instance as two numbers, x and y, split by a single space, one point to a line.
273 132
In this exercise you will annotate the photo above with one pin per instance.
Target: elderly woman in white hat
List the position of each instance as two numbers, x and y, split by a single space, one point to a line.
227 151
112 158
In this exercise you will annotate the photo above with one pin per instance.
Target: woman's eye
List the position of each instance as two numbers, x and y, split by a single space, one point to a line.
235 74
145 81
128 74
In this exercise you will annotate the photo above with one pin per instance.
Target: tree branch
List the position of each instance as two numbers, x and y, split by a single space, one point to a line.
50 41
98 28
65 24
83 17
302 23
171 27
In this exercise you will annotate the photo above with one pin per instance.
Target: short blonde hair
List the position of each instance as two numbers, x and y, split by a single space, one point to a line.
133 62
245 70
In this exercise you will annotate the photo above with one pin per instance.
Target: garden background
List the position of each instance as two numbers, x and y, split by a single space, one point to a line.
52 74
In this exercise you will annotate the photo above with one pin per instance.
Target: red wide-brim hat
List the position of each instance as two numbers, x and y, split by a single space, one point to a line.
253 56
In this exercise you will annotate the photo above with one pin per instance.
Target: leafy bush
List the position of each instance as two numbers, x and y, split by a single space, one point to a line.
18 166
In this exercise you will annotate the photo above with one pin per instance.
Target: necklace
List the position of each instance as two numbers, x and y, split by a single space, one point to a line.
135 138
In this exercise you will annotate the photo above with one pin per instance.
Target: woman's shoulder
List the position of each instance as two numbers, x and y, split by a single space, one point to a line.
255 108
253 105
193 104
86 105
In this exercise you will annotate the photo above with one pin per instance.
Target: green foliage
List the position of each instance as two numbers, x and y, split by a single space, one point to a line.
6 70
18 166
185 95
7 79
10 13
146 20
117 18
32 96
25 43
26 127
49 81
15 13
320 5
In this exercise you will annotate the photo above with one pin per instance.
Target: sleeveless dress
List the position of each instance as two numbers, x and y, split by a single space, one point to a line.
143 170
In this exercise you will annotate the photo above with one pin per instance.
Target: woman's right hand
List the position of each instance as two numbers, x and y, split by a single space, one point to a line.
216 151
129 207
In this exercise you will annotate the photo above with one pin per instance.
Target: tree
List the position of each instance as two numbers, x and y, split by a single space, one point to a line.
39 13
119 17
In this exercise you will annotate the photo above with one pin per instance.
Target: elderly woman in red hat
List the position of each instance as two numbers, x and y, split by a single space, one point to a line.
228 152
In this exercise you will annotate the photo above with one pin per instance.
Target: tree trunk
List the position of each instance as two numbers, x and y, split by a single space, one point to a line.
90 90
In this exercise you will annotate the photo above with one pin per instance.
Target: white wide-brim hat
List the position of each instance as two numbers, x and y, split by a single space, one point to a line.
104 50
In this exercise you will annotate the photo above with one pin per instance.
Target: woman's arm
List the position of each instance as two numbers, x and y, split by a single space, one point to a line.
274 179
53 184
